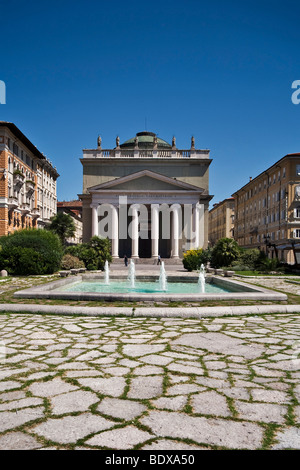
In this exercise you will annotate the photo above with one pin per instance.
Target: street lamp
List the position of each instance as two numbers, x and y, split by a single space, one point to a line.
267 242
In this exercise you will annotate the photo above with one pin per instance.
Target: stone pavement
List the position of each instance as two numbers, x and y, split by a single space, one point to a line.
149 383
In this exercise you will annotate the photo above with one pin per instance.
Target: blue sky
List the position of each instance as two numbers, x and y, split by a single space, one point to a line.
220 70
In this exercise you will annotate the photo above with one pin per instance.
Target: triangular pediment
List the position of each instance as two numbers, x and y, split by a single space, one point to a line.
145 180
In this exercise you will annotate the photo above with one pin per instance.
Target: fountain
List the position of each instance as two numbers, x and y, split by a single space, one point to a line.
131 274
201 279
163 277
106 273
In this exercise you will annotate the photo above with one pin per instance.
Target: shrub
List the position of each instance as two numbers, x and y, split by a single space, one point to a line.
240 267
71 262
269 264
93 254
250 257
225 251
192 259
30 251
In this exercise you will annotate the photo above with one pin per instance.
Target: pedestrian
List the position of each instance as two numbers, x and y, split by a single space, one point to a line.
158 259
126 260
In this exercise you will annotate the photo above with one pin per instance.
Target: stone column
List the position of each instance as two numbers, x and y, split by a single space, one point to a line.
114 232
154 230
198 226
94 219
134 231
175 231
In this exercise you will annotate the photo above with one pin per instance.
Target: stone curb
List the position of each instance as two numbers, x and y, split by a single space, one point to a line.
196 312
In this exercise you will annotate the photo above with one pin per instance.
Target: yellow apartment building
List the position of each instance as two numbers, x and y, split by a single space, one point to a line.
27 182
221 221
267 211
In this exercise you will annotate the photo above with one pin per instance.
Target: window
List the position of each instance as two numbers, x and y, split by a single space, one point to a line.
16 149
298 170
297 212
297 233
283 173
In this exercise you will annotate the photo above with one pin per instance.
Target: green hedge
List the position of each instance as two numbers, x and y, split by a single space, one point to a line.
30 251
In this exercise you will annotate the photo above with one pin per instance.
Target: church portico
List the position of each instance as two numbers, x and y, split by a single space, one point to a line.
146 213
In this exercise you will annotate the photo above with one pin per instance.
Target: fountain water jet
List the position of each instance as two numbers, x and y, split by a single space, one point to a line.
163 277
131 274
201 279
106 273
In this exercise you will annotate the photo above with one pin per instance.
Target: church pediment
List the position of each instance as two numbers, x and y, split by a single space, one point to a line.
145 180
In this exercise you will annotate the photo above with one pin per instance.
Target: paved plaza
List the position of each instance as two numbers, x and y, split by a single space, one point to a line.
73 382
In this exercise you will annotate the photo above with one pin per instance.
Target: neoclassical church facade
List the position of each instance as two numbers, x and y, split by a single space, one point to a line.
147 196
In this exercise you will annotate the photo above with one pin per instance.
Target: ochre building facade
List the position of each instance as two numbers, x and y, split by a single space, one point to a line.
221 221
27 182
267 211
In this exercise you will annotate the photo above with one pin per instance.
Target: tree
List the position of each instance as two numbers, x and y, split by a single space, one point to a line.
63 225
225 251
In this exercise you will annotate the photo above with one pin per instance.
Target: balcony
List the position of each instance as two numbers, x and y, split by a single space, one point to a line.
13 203
35 213
30 187
25 208
18 179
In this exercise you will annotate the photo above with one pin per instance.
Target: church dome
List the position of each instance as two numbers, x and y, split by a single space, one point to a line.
145 141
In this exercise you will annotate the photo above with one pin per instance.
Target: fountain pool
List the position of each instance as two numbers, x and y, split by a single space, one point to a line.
155 287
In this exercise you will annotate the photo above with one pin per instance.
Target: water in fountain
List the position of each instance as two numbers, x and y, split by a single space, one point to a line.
106 273
163 277
201 279
131 274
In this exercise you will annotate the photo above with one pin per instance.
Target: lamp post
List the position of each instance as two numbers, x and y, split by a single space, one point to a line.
267 242
292 242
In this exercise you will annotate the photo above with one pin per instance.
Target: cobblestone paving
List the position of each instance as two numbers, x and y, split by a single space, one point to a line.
148 383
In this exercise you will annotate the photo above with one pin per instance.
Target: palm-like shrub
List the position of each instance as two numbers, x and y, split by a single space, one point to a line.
225 251
62 225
